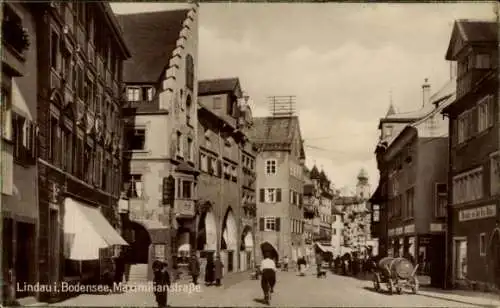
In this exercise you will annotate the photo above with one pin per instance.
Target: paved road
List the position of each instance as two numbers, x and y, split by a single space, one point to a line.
291 291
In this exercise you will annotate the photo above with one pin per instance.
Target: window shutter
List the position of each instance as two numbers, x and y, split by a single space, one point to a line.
261 224
291 196
278 195
262 195
300 199
302 227
199 161
278 221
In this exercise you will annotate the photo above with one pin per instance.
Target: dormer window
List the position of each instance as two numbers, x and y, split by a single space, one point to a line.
483 61
136 93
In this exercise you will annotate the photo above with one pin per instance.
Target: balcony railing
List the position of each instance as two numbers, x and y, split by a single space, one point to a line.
184 208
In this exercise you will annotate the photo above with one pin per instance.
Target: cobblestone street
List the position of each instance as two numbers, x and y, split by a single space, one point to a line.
292 290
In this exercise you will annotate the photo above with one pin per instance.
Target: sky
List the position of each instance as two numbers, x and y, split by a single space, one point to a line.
344 62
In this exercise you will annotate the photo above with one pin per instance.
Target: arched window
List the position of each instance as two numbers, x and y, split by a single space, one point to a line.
189 72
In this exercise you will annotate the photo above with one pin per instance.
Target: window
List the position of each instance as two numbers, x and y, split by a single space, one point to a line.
204 162
135 186
179 144
186 189
271 166
234 174
55 55
485 113
482 244
78 155
483 61
388 131
465 128
468 186
270 224
190 149
334 231
67 147
189 72
376 213
495 173
188 110
133 94
441 200
6 111
107 176
270 195
217 101
410 201
136 138
88 162
55 135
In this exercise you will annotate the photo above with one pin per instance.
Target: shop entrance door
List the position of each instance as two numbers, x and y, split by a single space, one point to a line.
437 260
25 255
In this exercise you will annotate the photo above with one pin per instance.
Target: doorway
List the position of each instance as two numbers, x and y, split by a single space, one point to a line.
139 247
25 256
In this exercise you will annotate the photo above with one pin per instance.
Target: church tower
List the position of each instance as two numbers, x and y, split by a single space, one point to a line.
363 186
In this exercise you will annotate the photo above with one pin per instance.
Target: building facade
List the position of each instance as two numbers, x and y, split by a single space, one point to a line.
279 168
474 237
311 215
160 118
19 200
226 186
80 52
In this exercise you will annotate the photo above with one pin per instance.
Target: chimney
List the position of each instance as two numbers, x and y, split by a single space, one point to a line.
426 92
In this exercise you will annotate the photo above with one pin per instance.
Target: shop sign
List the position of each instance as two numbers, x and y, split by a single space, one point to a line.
436 227
424 240
409 229
477 213
399 231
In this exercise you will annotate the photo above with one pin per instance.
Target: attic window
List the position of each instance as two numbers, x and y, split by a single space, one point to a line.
228 142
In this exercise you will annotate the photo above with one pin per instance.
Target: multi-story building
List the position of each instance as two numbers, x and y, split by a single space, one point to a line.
160 119
18 149
356 229
325 196
80 52
280 183
337 230
226 186
311 213
474 177
416 163
390 126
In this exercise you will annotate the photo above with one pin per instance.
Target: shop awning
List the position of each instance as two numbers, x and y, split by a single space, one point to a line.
325 248
86 230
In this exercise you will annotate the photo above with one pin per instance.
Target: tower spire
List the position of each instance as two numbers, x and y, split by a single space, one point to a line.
391 109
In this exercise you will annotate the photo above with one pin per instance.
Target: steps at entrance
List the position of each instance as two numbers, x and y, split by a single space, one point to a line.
138 273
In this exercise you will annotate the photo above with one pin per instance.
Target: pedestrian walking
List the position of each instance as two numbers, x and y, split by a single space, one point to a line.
161 283
218 268
194 268
209 271
285 263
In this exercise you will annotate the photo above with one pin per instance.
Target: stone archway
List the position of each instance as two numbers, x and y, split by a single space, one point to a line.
207 232
246 249
229 240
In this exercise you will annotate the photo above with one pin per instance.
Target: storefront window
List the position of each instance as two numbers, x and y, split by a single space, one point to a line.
460 259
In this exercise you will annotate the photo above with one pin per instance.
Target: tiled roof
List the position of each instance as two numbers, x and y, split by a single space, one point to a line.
152 37
268 130
213 86
478 30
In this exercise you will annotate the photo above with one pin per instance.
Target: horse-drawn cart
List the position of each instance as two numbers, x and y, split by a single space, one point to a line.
397 274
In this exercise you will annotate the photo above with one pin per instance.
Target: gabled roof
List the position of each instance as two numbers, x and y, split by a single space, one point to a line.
269 130
152 38
470 32
314 175
215 86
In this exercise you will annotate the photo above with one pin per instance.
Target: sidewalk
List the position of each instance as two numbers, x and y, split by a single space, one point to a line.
478 298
